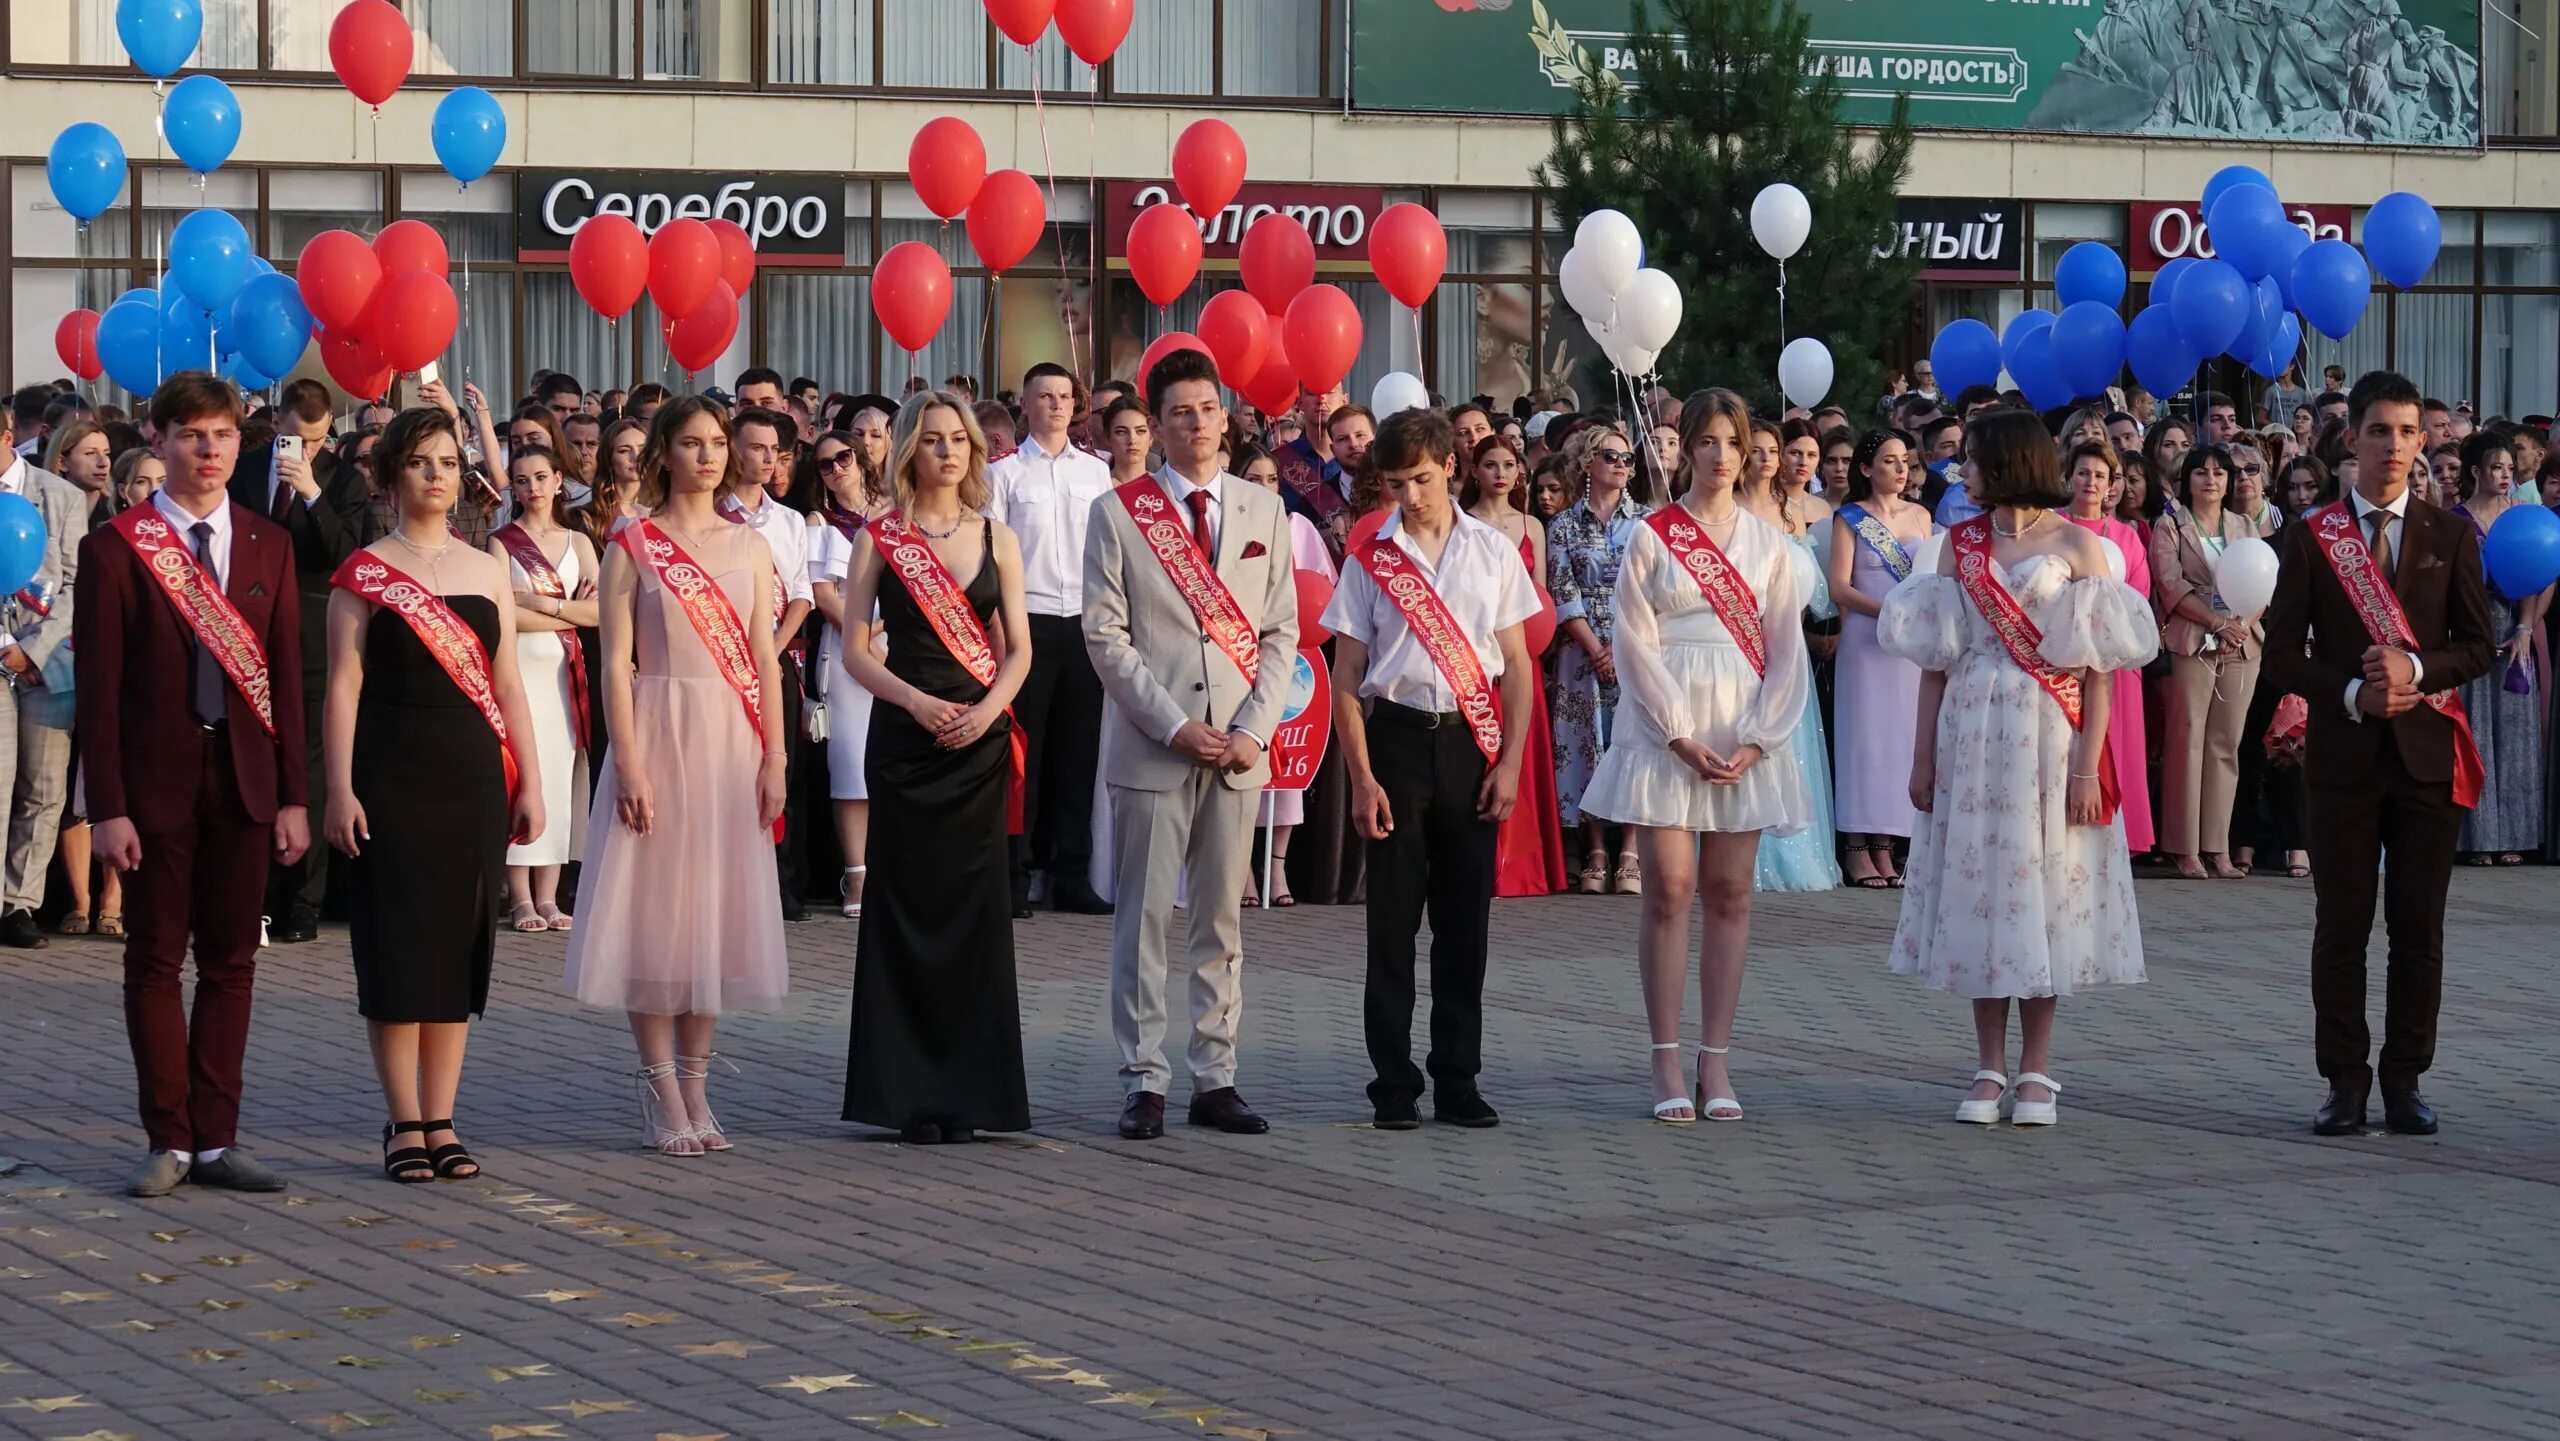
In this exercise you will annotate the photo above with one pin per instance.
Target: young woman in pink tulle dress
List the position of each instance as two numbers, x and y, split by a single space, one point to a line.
2095 474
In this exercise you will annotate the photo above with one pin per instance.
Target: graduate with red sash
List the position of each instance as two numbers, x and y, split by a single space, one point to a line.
1429 663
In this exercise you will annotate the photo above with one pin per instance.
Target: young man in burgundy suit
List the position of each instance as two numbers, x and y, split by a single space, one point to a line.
188 641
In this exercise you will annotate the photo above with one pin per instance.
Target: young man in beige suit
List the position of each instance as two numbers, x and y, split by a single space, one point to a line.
1191 617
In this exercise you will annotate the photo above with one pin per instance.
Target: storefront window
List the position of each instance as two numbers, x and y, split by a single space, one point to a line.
562 332
818 42
454 37
1056 67
83 32
2059 227
40 228
2520 333
1170 49
937 43
2519 79
302 203
819 325
1275 47
1487 331
960 346
1044 306
478 226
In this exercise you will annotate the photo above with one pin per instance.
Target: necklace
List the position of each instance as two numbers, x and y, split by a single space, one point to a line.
434 558
956 523
1733 510
2021 530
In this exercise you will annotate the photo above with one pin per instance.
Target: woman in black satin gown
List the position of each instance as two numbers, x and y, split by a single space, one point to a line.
936 1049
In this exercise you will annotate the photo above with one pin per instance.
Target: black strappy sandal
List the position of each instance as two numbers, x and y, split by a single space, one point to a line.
449 1159
410 1165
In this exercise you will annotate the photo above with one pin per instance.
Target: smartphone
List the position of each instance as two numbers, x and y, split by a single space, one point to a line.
287 444
430 373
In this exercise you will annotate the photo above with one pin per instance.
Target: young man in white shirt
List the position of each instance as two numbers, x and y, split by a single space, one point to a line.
1435 768
760 435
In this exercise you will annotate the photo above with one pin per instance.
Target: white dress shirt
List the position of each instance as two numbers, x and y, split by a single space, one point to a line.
218 544
1046 500
1179 488
2399 508
1481 581
786 537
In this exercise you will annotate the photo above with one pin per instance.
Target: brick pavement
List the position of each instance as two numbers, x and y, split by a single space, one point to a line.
2178 1259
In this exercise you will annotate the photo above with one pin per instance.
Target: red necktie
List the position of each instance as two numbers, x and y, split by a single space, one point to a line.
1199 502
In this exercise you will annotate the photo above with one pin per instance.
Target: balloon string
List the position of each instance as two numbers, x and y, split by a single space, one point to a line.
1049 168
1092 193
1782 323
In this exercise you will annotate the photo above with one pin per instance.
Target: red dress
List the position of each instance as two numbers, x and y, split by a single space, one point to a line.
1529 852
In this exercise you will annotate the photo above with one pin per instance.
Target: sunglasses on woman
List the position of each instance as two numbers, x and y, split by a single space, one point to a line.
1615 457
841 460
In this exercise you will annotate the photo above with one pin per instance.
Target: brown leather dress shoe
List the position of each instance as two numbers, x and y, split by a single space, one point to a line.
1143 1118
1226 1110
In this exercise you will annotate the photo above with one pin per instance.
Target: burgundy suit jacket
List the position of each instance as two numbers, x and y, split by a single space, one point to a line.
137 722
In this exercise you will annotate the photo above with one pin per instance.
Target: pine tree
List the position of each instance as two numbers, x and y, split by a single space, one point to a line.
1723 103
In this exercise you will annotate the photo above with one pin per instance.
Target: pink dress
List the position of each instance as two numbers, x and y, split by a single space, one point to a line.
686 919
2124 722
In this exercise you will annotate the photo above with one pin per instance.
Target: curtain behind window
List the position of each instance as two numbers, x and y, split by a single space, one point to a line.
578 37
819 42
937 43
1274 47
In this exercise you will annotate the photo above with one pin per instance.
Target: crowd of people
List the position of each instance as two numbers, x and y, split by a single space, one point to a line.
630 665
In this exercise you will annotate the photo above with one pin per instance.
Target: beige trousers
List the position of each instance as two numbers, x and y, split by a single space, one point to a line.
2204 706
1207 828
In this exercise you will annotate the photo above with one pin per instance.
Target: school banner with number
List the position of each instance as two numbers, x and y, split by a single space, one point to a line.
1306 725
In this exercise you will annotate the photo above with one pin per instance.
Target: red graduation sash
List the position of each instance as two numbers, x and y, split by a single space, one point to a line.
2341 542
946 608
1192 574
1414 597
2025 642
1723 586
201 606
1306 478
545 580
714 619
445 635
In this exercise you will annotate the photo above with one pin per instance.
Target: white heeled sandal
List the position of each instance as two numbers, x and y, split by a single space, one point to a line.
698 1068
2036 1113
844 892
1983 1113
1679 1110
655 1133
1715 1108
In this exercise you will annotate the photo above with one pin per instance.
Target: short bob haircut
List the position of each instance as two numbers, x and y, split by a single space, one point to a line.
1410 438
2013 457
906 440
406 435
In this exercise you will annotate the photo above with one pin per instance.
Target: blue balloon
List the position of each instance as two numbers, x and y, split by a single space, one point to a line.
2244 226
2165 283
186 336
2228 177
2258 328
2401 237
2022 325
2521 551
129 344
21 542
2289 245
2089 271
1966 354
209 258
259 264
2281 351
470 132
237 369
2210 306
160 34
2331 286
270 325
86 168
201 117
2161 358
140 295
2033 370
2088 347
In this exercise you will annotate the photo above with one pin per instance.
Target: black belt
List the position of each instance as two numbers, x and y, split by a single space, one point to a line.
220 727
1405 715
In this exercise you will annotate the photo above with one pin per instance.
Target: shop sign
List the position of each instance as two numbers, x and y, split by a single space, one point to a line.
793 219
2166 231
1337 217
1978 240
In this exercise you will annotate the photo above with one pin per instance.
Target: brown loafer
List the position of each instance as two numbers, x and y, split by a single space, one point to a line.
1143 1118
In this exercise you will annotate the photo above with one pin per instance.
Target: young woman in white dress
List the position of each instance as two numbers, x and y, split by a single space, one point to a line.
2021 887
849 503
1699 758
546 626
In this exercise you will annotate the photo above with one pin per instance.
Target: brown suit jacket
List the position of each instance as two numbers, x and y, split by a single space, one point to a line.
2316 644
139 738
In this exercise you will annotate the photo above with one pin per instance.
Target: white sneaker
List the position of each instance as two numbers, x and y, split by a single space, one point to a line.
2037 1113
1983 1113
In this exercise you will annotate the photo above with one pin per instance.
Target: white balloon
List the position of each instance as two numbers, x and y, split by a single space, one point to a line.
1780 219
2115 557
1581 290
1924 561
1397 392
1604 333
1635 359
1649 310
1614 251
2245 576
1804 371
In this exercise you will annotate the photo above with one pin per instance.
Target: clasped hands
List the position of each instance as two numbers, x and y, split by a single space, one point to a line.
952 725
1231 751
1715 769
2390 682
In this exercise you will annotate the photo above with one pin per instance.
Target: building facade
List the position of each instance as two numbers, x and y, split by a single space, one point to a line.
794 116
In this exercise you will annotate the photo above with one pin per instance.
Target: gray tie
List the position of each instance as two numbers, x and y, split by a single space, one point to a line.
204 673
2382 555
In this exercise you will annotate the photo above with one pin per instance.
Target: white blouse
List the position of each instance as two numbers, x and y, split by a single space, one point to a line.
1659 605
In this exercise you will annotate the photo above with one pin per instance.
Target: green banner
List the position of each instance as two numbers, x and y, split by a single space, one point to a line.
2353 72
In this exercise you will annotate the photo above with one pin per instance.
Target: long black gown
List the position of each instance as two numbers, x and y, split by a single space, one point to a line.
427 770
937 1031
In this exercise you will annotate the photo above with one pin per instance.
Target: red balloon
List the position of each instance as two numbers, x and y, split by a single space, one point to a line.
1093 28
699 339
1366 528
947 162
911 293
1208 165
1274 388
1322 336
1409 251
684 263
412 319
353 362
609 263
1164 252
1006 219
338 274
412 245
1315 592
1539 631
370 47
737 254
1278 259
1237 334
1165 344
76 341
1021 20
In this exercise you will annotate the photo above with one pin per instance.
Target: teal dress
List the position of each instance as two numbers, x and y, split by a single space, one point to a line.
1809 860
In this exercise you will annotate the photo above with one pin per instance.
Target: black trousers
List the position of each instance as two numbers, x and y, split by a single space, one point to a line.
795 839
305 882
1060 712
1439 859
2384 817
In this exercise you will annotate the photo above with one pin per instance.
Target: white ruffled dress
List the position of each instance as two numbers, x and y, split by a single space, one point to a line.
2006 897
1680 674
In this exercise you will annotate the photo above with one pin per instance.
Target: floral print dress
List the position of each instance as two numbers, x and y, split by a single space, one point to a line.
1584 553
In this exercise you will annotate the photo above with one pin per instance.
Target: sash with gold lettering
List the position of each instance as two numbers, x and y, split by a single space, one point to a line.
1880 539
1411 592
446 636
2024 641
2342 543
1168 535
201 605
904 554
1723 586
545 580
714 619
1304 475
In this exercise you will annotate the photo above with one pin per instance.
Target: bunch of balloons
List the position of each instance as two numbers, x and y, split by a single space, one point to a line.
1781 221
382 308
692 270
1632 312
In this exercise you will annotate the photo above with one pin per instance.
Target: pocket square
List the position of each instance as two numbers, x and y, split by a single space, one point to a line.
257 588
1253 548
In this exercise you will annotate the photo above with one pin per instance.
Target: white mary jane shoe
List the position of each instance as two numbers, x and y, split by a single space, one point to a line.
2037 1113
1983 1113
